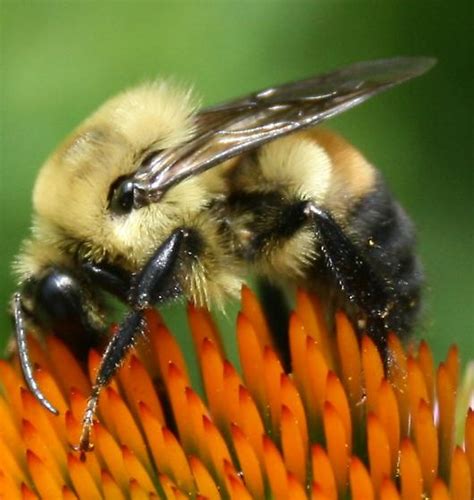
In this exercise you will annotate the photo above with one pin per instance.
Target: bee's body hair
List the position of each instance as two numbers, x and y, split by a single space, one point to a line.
267 234
151 200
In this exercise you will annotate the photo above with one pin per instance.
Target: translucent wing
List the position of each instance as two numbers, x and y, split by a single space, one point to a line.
233 128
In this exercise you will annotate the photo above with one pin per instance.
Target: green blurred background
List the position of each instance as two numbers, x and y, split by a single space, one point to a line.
60 60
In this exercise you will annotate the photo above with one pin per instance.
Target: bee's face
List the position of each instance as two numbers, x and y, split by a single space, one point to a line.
73 189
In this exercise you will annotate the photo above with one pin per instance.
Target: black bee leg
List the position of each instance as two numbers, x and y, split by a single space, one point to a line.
277 313
156 283
23 352
119 345
355 277
110 278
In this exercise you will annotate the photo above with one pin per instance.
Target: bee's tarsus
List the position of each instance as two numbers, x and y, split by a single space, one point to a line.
85 444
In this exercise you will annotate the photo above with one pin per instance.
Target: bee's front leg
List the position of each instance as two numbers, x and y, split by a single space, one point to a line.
158 281
154 284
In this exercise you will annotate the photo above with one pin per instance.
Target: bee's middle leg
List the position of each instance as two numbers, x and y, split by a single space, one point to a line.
353 275
340 264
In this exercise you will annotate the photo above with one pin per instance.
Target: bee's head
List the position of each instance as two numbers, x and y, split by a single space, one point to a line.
84 189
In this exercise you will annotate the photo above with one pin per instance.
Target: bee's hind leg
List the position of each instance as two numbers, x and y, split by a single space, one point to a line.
277 312
156 283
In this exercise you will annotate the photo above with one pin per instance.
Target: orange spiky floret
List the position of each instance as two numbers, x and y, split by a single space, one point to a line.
335 426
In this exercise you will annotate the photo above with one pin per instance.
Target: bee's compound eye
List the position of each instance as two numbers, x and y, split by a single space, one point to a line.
121 196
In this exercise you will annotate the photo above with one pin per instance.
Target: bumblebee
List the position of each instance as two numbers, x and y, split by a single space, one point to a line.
152 199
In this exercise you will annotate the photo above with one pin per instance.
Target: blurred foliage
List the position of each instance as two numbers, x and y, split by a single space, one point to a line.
60 60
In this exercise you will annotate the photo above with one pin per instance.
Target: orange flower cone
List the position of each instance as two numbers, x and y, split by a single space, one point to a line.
338 426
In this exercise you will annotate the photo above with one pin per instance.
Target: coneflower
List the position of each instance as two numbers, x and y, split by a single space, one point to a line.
337 426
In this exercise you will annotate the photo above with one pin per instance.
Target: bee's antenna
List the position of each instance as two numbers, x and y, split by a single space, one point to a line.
24 354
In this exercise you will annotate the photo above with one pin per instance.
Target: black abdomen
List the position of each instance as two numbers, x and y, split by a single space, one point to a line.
386 238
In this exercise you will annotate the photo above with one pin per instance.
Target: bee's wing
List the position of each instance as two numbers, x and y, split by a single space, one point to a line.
233 128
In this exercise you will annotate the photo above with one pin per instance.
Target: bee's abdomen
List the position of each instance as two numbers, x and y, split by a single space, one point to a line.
386 237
